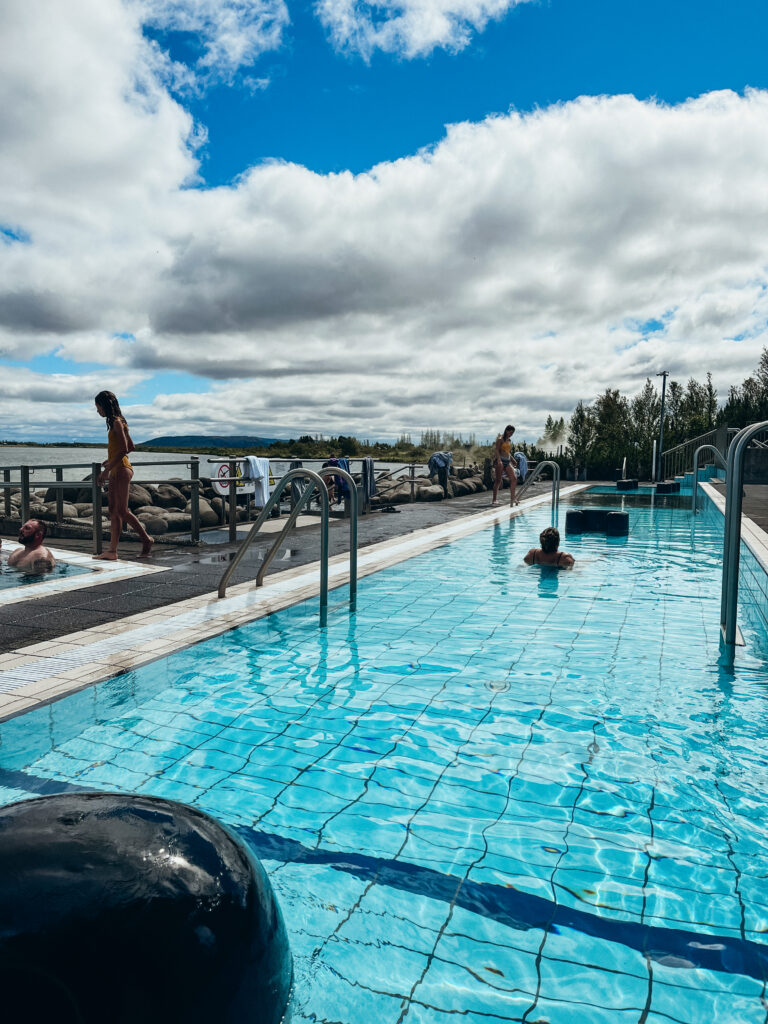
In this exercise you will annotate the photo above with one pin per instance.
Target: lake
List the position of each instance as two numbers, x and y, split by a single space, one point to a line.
77 463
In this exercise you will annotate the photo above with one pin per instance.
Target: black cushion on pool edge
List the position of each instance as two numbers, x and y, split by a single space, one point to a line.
129 908
597 520
626 485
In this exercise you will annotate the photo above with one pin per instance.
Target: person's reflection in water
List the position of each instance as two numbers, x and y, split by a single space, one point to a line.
549 578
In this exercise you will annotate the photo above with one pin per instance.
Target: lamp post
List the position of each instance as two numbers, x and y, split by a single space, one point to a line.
664 374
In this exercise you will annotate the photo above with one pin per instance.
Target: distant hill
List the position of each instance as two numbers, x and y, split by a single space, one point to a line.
201 441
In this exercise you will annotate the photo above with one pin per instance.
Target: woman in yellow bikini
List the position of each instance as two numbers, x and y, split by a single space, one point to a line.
504 463
118 472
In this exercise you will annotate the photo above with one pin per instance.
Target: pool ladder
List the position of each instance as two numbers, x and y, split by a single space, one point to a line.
734 482
316 484
546 464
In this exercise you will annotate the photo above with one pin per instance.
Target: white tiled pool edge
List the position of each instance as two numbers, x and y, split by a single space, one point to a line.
99 572
755 538
46 671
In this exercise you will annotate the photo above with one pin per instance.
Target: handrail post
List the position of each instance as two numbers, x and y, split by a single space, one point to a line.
732 534
316 481
59 495
232 501
717 457
24 493
7 479
194 472
353 514
96 507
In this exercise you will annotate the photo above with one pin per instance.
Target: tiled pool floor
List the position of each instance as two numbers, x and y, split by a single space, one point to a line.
493 793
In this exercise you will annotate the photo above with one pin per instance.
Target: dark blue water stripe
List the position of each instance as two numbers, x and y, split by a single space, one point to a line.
673 947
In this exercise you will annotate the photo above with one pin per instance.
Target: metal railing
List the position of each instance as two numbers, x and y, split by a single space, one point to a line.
732 536
718 458
232 462
316 483
294 515
679 460
546 464
60 485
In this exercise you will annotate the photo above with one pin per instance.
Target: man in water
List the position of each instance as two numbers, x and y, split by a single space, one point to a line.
32 557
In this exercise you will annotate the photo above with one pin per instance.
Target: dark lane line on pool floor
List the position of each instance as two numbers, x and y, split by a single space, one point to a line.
522 911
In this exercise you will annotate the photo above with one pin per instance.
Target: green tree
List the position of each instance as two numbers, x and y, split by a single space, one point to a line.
645 411
582 432
613 425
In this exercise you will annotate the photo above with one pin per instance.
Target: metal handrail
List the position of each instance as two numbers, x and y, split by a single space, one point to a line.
680 453
316 482
547 463
353 512
718 458
61 485
294 514
732 535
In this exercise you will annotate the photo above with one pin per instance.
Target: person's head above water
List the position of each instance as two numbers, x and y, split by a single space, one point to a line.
32 533
549 540
108 407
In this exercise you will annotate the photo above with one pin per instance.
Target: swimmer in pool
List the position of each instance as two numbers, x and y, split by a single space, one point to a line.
33 557
548 554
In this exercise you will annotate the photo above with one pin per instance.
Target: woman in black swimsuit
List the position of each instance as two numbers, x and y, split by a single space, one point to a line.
548 554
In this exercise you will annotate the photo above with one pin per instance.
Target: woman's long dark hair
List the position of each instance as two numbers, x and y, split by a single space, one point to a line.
108 403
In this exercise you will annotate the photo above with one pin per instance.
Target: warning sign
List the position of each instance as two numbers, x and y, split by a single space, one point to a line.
221 482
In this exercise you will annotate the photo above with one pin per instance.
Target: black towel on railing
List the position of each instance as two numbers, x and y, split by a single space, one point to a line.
369 480
296 488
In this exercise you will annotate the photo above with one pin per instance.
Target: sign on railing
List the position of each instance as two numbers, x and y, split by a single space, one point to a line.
221 481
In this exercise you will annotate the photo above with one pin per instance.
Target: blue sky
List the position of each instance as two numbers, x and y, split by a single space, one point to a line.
186 214
321 106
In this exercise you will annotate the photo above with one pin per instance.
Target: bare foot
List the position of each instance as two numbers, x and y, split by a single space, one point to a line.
494 504
107 556
146 547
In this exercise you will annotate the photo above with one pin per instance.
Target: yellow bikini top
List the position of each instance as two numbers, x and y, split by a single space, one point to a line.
113 446
506 447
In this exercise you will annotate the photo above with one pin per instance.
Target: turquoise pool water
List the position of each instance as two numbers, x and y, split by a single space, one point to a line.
10 577
496 793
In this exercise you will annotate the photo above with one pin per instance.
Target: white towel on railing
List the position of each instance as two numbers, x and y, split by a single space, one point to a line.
258 469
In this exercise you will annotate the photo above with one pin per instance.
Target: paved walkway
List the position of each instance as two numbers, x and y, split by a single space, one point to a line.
755 502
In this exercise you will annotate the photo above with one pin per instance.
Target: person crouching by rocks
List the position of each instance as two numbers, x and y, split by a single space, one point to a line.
548 554
33 557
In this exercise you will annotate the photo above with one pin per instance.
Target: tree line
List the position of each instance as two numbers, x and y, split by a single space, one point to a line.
613 427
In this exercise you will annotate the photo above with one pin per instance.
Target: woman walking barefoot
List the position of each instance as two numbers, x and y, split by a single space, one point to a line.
118 472
504 463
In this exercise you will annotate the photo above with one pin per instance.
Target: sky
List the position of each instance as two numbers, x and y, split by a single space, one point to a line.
278 218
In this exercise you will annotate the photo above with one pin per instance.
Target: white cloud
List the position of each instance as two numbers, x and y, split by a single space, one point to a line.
496 276
411 28
232 34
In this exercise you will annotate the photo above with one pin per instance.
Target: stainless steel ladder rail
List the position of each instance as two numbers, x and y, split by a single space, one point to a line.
317 483
353 512
718 458
546 464
734 483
